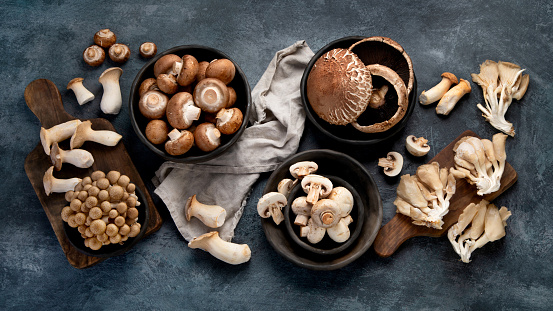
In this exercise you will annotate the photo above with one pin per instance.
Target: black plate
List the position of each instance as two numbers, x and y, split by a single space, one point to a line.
112 249
326 246
195 155
336 164
348 134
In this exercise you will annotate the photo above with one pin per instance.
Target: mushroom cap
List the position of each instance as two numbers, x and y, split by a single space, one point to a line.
229 120
94 55
79 137
202 66
189 70
181 111
303 168
211 95
179 143
156 131
148 49
207 137
325 213
55 156
149 84
344 198
167 83
271 199
105 38
110 75
165 64
451 77
417 146
321 184
339 87
74 82
153 104
300 206
232 97
392 164
119 52
222 69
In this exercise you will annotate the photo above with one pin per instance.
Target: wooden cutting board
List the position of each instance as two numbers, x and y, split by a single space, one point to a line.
44 100
400 228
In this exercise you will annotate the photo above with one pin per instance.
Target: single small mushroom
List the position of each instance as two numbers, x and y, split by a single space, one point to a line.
181 111
301 169
52 184
179 142
202 66
167 64
229 120
153 104
83 95
189 70
326 213
221 69
84 132
211 95
207 137
167 83
438 91
417 146
286 185
212 216
228 252
344 198
316 187
148 49
94 55
78 157
57 133
392 164
270 205
156 131
105 38
111 99
450 99
302 210
149 84
119 53
340 232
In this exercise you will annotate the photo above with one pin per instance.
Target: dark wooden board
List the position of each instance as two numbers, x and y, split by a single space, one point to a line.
400 228
44 100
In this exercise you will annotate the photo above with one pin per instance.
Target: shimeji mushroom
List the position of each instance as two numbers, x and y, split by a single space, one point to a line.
228 252
438 91
57 133
316 187
148 49
270 205
450 99
181 111
212 216
52 184
302 209
111 99
78 157
83 95
84 132
487 224
417 146
392 163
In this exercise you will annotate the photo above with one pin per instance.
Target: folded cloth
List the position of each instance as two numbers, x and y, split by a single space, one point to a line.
276 125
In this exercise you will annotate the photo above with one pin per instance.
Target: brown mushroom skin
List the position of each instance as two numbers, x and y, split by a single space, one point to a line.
189 70
149 84
175 107
181 145
231 97
211 95
167 83
165 64
94 55
105 38
153 104
201 137
156 131
148 49
202 66
119 53
222 69
229 120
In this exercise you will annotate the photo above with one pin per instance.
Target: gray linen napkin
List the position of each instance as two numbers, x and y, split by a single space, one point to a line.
276 125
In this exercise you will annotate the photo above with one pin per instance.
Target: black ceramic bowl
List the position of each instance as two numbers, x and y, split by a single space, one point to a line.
387 53
326 246
194 155
112 249
331 163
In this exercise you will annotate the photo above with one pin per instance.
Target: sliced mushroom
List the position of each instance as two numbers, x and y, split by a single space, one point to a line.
450 99
156 131
302 210
207 137
179 142
94 55
228 252
212 216
181 111
392 164
303 168
148 49
222 69
57 133
229 120
78 157
153 104
270 205
417 146
119 53
325 213
189 70
83 95
52 184
211 95
316 187
111 99
84 132
105 38
438 91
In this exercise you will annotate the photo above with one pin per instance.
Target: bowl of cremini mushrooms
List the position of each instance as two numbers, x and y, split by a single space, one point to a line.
359 90
190 103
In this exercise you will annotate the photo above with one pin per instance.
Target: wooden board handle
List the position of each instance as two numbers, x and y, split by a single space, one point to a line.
44 100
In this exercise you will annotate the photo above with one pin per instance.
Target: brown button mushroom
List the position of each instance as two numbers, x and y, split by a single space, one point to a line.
211 95
165 64
339 87
189 70
202 66
179 142
105 38
231 97
119 53
207 137
153 104
167 83
149 84
148 49
156 131
222 69
94 55
229 120
181 111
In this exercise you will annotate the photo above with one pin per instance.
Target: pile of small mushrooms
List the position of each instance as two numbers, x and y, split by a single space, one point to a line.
189 103
324 210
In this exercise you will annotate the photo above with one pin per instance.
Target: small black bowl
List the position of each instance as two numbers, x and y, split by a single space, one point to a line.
326 246
370 53
111 250
194 155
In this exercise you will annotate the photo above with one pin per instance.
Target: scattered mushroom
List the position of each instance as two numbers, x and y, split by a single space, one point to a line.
83 95
52 184
148 49
156 131
179 142
301 169
78 157
316 187
189 70
221 69
94 55
417 146
111 99
105 38
450 99
153 104
270 205
207 137
84 132
438 91
229 120
211 95
181 111
119 53
392 163
57 133
212 216
228 252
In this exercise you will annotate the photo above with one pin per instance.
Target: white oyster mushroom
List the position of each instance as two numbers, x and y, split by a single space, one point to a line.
228 252
57 133
212 216
270 205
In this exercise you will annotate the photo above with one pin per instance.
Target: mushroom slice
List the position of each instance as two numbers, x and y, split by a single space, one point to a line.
316 187
303 168
270 205
228 252
392 163
52 184
111 99
179 142
212 216
417 146
78 157
339 87
438 91
325 213
148 49
84 132
211 95
181 111
395 80
57 133
83 95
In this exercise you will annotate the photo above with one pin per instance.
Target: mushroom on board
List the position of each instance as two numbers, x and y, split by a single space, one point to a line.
270 205
111 99
222 69
392 163
212 216
316 187
78 157
84 132
57 133
94 55
105 38
119 53
52 184
438 91
83 95
181 111
148 49
228 252
417 146
153 104
211 95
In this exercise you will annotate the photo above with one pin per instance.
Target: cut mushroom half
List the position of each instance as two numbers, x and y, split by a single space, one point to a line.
111 99
228 252
83 95
212 216
270 205
316 187
392 163
52 184
301 169
417 146
78 157
84 132
57 133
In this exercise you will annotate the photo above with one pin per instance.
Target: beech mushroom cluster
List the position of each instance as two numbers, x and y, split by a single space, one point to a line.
447 97
481 162
103 208
94 55
425 196
487 224
501 82
189 103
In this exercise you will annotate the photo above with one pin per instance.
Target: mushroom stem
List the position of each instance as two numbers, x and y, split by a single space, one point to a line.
111 99
83 95
84 132
212 216
78 157
52 184
434 94
57 133
450 99
228 252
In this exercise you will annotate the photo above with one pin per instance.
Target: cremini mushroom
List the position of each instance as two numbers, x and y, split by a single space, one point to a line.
94 55
168 64
417 146
105 38
438 91
392 163
84 132
212 216
156 131
153 104
450 99
303 168
326 213
181 111
57 133
83 95
211 95
202 66
52 184
78 157
148 49
270 205
149 84
302 209
222 69
167 83
119 52
111 99
228 252
189 70
344 198
207 137
340 232
231 97
229 120
179 142
316 187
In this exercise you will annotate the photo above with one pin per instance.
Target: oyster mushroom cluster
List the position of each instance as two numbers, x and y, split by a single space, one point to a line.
340 87
189 103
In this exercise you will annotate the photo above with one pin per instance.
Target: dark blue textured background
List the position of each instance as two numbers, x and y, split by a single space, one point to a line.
45 39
